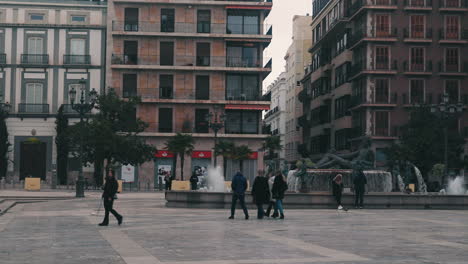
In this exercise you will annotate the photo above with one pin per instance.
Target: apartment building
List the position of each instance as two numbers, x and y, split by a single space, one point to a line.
373 60
46 48
186 59
275 118
296 58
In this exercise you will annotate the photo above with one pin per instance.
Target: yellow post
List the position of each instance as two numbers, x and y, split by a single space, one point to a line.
32 184
119 190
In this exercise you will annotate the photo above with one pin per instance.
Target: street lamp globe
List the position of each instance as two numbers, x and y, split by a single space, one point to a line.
93 96
72 95
7 107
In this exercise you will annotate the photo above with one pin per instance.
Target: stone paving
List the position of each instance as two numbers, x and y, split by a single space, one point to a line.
67 232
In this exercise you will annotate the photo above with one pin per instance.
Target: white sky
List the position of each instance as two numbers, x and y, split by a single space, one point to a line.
281 18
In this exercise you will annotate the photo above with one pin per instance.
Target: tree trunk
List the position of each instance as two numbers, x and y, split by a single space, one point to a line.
241 166
182 167
174 167
224 166
98 164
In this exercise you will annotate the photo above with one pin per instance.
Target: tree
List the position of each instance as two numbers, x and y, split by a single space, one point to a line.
112 135
4 144
224 148
272 144
180 145
422 144
241 153
62 143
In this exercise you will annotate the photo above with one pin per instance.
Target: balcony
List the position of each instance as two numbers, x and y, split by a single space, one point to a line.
453 5
142 27
189 62
166 93
453 37
303 122
418 5
423 36
361 5
2 58
76 59
303 96
385 68
360 37
129 92
272 112
417 68
33 108
35 59
358 102
453 69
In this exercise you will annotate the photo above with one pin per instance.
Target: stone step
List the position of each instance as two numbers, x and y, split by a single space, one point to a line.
6 205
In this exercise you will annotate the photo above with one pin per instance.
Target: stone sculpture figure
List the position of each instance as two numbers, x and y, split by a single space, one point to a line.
363 158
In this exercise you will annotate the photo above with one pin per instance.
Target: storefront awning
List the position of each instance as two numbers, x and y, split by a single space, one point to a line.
164 154
201 154
249 7
248 107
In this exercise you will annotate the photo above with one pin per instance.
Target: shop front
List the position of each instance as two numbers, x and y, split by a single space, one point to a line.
163 164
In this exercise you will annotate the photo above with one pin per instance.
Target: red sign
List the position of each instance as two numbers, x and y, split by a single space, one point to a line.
164 154
248 107
254 155
201 154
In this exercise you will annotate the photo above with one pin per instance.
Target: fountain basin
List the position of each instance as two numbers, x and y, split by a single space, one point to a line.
322 200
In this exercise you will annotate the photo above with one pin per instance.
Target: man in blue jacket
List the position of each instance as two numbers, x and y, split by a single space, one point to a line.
238 186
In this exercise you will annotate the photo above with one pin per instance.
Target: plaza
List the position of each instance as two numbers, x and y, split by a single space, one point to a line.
66 231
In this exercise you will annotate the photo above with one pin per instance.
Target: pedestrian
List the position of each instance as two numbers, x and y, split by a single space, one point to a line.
168 180
260 193
194 181
238 186
337 186
279 188
360 182
110 190
271 205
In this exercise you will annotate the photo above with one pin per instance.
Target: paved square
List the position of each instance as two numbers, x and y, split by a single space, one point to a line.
67 232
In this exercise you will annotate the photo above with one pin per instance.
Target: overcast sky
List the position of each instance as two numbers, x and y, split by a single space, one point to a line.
281 19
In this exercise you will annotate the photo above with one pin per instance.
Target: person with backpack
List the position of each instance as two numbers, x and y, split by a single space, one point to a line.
279 188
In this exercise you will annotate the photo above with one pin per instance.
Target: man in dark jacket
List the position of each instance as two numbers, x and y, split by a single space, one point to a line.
360 182
110 189
194 181
238 186
260 193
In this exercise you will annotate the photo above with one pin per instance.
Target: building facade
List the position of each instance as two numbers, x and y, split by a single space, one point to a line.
275 118
373 61
296 59
186 59
46 48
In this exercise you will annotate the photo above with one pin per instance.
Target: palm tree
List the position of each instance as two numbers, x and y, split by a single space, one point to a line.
272 144
241 153
224 148
180 145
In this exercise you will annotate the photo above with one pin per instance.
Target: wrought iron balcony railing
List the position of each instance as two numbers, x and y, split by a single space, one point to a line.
2 58
33 108
35 58
77 59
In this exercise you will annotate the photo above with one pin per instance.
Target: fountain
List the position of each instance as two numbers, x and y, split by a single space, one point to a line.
215 180
456 186
422 188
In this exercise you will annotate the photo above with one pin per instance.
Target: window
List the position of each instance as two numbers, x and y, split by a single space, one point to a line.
382 91
131 19
341 74
202 87
80 19
382 25
35 45
452 27
34 98
452 89
381 123
242 122
36 17
242 87
242 56
166 83
417 2
242 22
417 26
130 52
341 106
203 54
167 53
341 139
77 46
417 59
129 85
452 3
203 21
201 125
451 59
416 91
167 20
382 58
165 120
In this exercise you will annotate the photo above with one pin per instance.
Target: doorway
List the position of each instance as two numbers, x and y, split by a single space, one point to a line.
33 159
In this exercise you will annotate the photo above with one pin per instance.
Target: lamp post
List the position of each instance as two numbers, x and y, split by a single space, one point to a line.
5 109
445 108
216 122
82 108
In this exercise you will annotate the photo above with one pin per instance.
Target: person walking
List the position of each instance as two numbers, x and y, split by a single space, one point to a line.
194 181
279 188
337 186
260 193
271 204
360 182
238 186
110 189
168 181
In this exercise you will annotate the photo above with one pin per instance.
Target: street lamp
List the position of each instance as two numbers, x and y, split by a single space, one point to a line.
5 109
445 108
216 122
82 108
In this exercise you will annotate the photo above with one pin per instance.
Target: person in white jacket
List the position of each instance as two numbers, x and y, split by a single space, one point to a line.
271 205
292 179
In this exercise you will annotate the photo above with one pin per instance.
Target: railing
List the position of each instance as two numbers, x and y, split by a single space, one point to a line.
77 59
453 3
271 112
357 68
383 99
33 108
362 3
359 35
418 3
417 34
126 93
208 61
417 67
244 97
458 35
34 58
2 58
195 27
453 68
166 93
